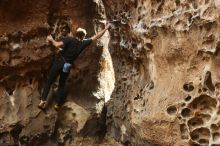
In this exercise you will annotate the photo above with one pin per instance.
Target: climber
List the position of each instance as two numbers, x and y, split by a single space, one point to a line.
71 48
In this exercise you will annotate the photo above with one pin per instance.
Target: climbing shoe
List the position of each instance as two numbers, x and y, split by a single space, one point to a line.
56 106
42 104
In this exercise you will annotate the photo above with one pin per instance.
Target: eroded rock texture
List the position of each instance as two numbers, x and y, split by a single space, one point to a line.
164 61
24 61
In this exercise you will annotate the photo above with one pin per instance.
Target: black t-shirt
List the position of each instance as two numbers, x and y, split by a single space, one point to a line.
72 48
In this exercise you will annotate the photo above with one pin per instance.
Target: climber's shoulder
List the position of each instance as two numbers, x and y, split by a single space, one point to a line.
68 40
86 42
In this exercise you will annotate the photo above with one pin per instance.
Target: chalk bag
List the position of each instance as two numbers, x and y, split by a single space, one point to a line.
66 67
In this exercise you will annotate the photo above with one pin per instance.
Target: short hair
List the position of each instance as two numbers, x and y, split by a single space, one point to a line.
81 33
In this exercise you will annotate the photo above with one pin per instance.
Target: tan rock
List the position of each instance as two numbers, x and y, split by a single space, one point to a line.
156 73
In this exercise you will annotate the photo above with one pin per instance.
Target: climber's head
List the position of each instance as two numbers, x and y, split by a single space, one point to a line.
80 33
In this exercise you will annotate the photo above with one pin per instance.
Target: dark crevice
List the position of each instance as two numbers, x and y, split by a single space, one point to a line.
208 81
96 126
15 133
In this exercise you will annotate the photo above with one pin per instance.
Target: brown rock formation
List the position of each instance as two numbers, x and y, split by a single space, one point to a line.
165 56
24 62
164 62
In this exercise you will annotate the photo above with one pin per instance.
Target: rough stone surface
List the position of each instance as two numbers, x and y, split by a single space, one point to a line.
24 62
166 59
158 86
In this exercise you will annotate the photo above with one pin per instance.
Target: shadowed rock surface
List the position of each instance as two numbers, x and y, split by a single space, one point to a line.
152 80
24 62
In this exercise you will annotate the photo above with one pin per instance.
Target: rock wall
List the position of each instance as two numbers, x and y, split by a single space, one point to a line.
24 62
166 60
162 69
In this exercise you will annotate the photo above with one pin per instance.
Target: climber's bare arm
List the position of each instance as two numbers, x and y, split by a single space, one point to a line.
101 33
57 44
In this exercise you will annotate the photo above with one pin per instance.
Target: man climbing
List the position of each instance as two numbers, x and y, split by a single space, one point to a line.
71 49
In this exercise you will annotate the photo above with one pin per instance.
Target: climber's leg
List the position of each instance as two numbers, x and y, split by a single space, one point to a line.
53 74
61 92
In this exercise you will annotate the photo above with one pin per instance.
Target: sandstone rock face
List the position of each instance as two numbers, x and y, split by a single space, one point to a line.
166 60
152 80
24 62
